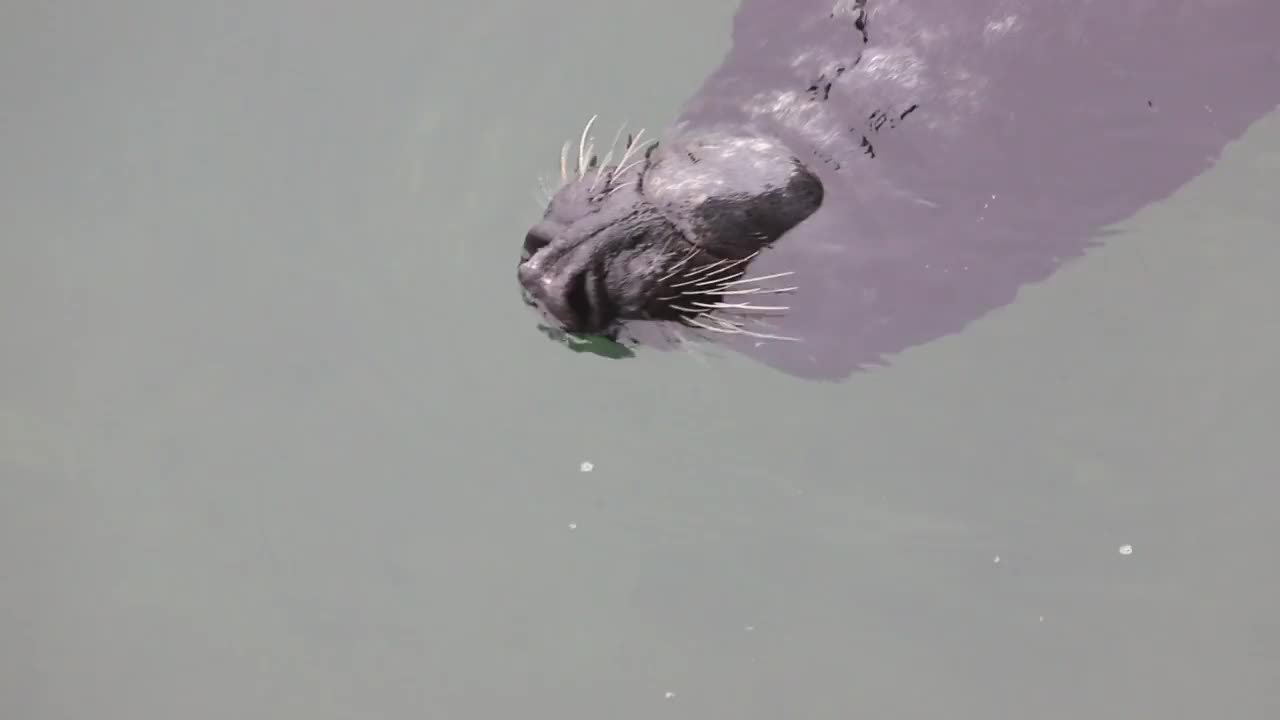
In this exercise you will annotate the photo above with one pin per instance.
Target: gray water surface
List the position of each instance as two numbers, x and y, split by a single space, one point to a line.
279 440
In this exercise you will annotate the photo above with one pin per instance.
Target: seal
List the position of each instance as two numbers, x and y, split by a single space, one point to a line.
862 177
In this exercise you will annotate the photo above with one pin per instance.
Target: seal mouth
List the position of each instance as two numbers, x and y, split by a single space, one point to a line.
588 301
578 301
583 304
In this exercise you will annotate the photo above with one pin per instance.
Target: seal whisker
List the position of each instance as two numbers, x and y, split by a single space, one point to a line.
743 306
564 162
746 259
720 324
616 188
618 135
697 323
638 160
608 157
692 277
690 310
762 277
631 146
726 325
747 291
701 276
719 275
703 269
732 328
770 336
676 269
582 145
600 171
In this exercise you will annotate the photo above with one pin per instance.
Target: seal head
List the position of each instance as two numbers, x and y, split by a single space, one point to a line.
665 237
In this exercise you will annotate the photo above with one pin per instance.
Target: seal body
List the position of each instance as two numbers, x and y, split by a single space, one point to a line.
904 166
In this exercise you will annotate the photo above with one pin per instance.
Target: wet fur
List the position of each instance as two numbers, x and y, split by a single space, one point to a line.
909 164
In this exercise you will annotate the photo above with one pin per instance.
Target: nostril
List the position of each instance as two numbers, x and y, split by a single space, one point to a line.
535 241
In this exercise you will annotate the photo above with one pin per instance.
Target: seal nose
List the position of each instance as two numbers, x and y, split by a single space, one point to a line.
555 293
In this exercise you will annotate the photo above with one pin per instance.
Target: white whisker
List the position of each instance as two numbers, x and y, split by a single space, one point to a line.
600 171
712 272
769 336
676 268
732 328
582 146
762 277
701 273
696 273
743 306
564 162
635 162
723 322
620 187
748 291
694 321
608 157
631 147
693 277
719 275
618 135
